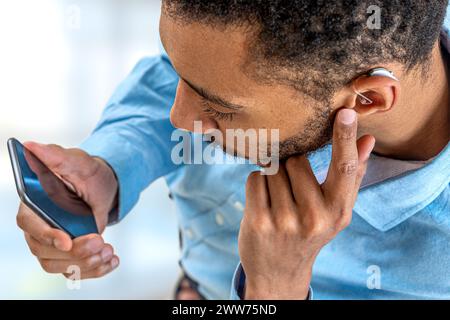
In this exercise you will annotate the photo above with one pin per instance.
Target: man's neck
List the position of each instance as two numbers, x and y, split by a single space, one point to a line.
418 128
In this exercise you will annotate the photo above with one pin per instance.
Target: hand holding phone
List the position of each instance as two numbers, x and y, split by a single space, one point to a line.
54 240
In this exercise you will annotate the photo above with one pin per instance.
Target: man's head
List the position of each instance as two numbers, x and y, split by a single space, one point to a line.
289 65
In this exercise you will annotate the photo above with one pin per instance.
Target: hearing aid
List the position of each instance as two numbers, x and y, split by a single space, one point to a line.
380 72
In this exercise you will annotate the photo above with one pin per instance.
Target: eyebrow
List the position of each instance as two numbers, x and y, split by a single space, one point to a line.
212 97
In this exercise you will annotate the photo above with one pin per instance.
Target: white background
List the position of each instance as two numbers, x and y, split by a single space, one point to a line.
60 61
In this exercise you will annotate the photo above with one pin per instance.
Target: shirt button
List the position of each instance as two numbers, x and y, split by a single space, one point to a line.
239 206
219 219
188 232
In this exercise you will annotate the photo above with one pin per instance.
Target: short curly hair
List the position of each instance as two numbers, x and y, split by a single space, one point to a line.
325 43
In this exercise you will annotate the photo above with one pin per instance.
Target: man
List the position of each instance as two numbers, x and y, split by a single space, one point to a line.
304 68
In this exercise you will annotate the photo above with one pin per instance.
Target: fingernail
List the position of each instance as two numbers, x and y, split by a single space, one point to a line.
347 116
114 263
106 254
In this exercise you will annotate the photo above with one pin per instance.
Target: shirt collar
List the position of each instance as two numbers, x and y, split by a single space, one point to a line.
386 204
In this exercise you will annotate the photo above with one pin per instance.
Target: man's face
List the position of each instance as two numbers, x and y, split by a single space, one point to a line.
215 87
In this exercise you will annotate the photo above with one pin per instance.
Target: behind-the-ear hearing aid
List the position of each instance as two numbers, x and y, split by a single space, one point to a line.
380 72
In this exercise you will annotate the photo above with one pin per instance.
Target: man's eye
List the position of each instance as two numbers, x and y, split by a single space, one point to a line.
217 115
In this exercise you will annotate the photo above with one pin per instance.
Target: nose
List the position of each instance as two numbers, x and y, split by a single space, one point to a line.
186 109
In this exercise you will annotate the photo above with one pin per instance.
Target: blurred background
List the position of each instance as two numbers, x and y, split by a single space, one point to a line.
60 61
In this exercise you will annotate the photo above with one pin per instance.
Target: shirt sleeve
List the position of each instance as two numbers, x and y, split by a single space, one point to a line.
134 132
238 285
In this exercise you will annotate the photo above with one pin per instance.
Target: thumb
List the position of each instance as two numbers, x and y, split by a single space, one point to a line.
33 225
75 168
53 156
61 240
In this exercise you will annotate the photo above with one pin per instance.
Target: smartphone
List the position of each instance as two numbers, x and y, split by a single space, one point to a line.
47 195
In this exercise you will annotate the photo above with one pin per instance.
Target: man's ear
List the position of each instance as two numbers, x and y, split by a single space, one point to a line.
374 94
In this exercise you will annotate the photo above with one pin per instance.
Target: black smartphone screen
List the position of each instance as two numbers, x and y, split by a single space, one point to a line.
51 195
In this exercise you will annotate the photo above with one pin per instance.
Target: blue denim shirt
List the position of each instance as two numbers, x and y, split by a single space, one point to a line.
396 247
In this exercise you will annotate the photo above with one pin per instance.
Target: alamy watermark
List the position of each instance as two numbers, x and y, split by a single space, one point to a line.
74 279
259 146
374 20
374 279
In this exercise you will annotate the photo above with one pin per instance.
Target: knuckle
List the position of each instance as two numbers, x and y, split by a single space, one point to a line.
35 249
47 265
343 218
87 247
343 222
91 262
346 215
101 271
78 152
346 133
316 228
262 225
107 245
348 167
80 252
289 225
55 147
45 235
20 219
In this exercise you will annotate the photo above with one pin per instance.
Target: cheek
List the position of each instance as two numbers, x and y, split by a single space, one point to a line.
287 121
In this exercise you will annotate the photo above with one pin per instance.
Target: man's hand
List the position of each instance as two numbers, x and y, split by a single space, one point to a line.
289 216
93 180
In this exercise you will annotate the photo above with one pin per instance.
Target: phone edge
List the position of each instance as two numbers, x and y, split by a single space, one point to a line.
21 188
